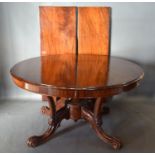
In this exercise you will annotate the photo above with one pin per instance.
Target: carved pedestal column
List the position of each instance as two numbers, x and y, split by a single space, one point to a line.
75 111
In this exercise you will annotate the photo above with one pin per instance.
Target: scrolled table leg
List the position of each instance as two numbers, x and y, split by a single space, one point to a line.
37 140
56 119
95 120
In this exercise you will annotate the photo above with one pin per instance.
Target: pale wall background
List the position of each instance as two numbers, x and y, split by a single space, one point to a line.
133 37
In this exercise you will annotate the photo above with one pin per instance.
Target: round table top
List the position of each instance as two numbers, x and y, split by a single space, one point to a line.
68 75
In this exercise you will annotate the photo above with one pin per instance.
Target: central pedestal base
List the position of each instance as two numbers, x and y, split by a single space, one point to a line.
73 109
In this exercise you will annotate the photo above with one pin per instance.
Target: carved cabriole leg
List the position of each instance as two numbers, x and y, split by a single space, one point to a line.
54 123
95 120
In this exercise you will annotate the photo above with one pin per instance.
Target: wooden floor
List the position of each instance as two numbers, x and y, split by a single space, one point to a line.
131 118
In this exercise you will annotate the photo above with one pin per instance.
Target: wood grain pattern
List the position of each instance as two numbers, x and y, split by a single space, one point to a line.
58 30
94 30
64 63
59 75
96 69
66 79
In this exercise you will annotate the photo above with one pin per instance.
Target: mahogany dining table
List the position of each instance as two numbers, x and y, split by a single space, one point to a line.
82 82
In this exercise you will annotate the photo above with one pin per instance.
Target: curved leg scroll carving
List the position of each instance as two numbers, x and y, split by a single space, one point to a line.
37 140
95 120
54 123
92 114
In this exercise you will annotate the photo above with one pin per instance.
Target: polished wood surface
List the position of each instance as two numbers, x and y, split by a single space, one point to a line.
67 75
84 28
94 30
58 30
74 30
74 78
75 111
75 71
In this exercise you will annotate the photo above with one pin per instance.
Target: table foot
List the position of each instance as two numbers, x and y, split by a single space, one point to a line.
37 140
54 123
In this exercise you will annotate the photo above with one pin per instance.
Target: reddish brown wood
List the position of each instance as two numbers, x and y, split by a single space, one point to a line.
94 30
57 117
62 76
58 26
98 110
65 79
75 110
47 110
89 116
105 78
58 30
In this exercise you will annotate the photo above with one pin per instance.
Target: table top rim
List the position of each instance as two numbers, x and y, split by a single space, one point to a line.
79 88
